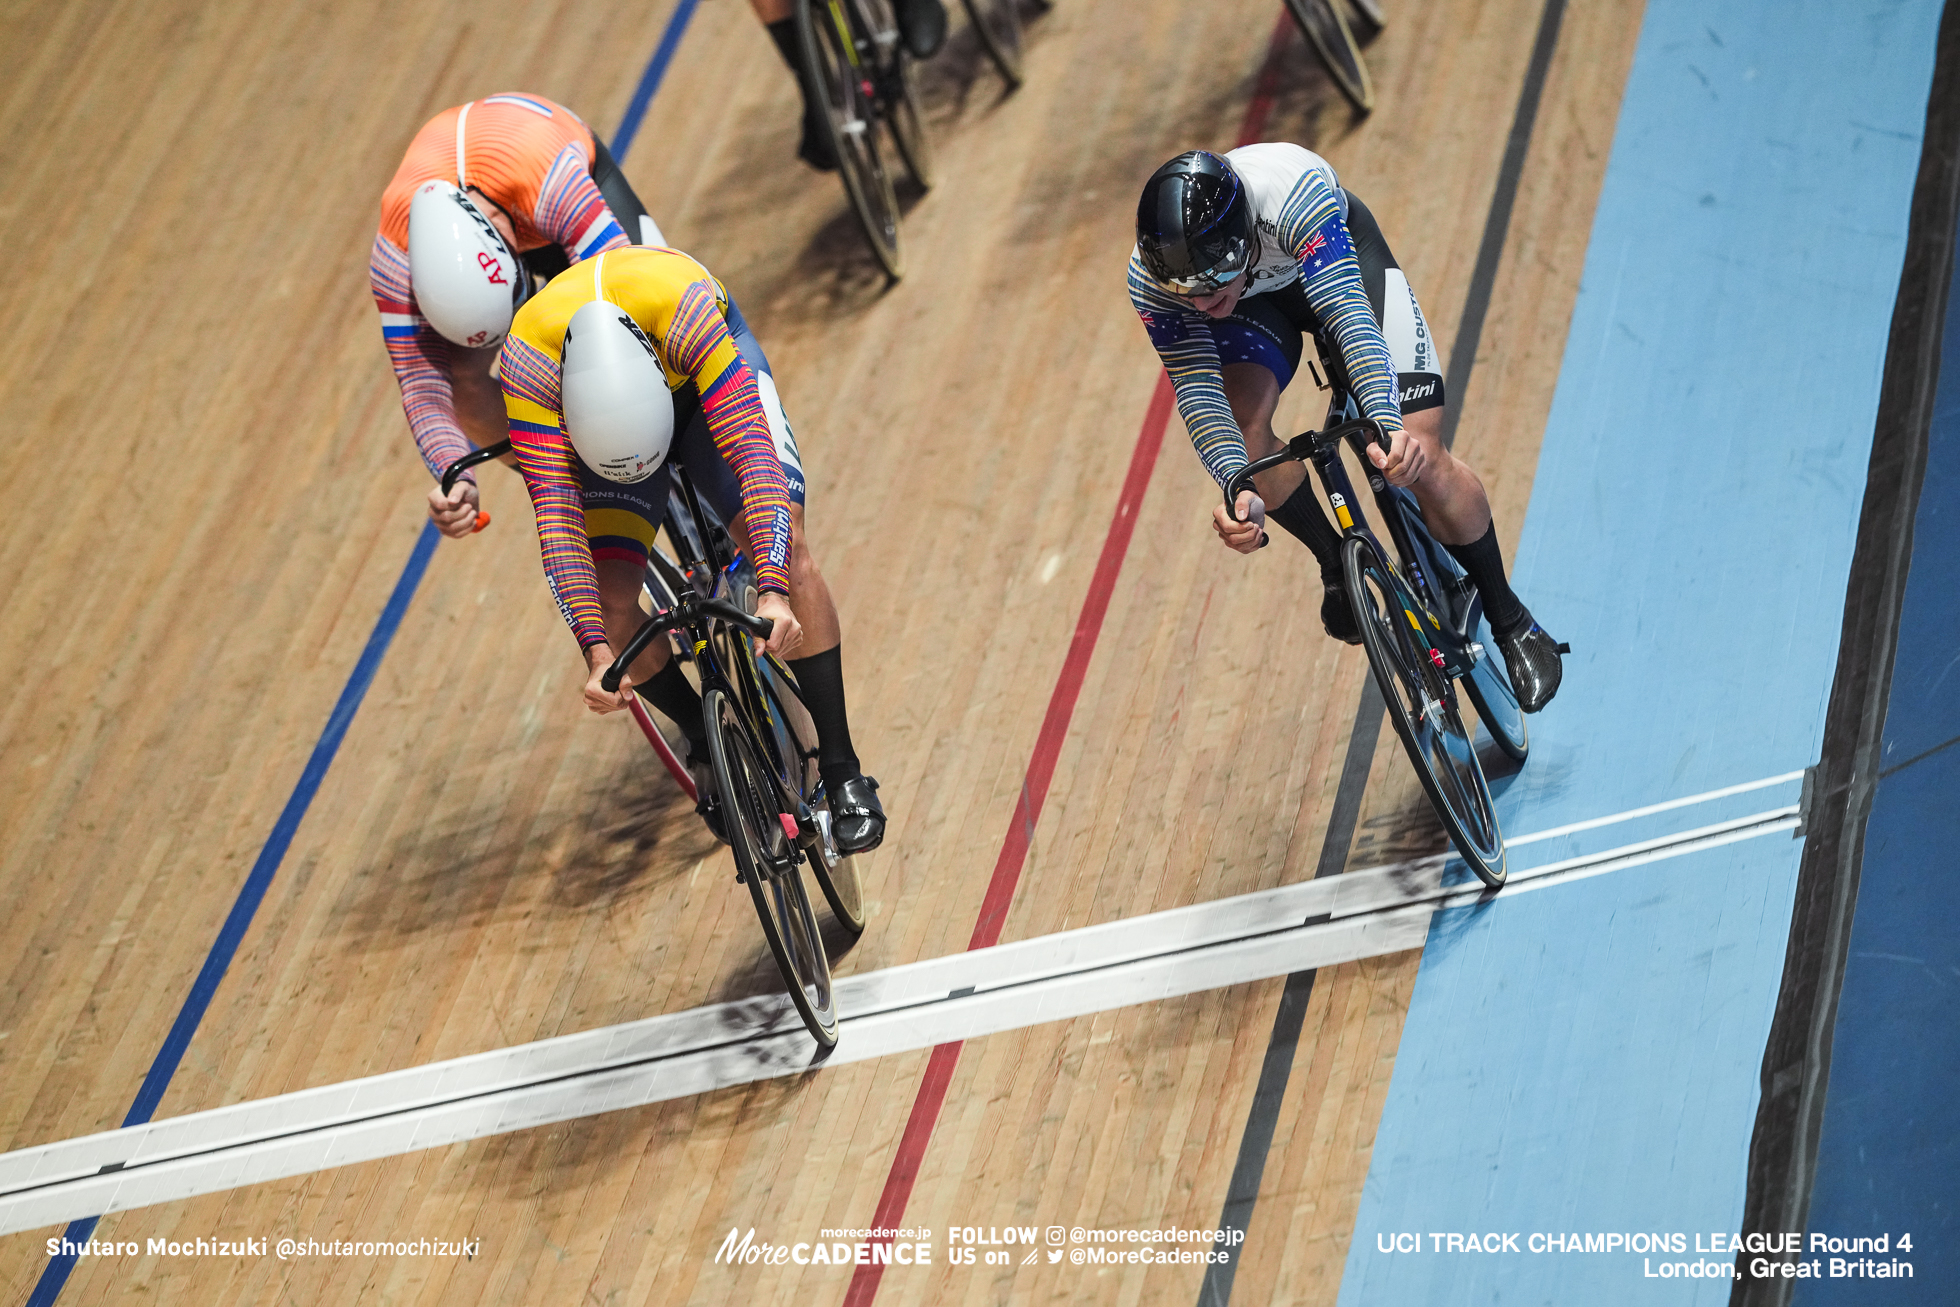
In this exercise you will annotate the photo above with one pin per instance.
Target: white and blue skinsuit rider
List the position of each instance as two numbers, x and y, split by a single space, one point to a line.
1238 259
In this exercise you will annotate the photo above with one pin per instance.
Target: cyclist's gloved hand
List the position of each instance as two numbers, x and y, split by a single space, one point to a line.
1249 531
1402 463
788 634
598 658
454 514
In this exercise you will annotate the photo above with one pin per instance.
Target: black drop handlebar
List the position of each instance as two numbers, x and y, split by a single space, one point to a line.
1302 448
470 460
688 611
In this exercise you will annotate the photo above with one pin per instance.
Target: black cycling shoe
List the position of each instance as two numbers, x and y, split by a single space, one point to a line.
857 819
708 805
923 25
1337 615
1533 659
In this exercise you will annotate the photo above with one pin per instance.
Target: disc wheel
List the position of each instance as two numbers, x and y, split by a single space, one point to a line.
771 867
1422 705
998 23
1328 29
838 873
839 74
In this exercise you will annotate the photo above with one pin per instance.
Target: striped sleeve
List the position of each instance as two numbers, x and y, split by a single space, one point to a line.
530 382
698 343
421 361
1310 223
1184 342
571 213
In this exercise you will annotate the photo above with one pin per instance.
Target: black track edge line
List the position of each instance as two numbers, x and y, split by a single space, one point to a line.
1255 1144
1242 1193
1497 226
1797 1055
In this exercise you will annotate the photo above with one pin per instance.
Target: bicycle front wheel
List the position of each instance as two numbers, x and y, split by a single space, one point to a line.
771 866
998 23
1422 706
839 70
1328 29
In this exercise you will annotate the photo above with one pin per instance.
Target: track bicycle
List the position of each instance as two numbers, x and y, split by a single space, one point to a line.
1332 36
1422 623
855 66
763 746
759 732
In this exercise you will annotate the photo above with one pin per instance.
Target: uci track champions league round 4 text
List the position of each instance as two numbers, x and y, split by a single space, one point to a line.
1669 1255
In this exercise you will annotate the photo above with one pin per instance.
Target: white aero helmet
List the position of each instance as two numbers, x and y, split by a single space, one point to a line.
618 412
467 282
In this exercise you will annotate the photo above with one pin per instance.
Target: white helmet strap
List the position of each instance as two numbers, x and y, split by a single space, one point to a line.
462 169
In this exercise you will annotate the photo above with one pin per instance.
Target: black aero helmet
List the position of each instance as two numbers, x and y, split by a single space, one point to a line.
1194 224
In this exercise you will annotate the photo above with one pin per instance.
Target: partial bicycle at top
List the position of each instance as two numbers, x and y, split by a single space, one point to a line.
855 62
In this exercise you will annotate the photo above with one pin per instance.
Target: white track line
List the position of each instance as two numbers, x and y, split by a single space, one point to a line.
1653 808
1011 986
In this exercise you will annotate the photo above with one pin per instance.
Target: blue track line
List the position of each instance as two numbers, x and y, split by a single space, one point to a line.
252 893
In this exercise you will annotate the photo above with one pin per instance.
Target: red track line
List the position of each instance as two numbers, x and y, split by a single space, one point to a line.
1047 749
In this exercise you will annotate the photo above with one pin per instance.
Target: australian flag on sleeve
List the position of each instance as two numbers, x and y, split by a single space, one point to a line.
1327 245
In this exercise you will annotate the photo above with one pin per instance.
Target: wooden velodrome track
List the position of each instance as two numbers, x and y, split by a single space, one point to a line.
210 492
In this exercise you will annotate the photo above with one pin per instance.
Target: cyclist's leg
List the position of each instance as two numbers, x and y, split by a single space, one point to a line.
859 819
618 193
620 524
1454 505
778 19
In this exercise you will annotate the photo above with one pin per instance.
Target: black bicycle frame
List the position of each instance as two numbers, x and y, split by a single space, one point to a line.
1445 626
691 616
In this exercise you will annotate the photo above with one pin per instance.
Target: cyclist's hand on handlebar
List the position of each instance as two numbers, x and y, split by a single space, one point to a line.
1402 462
788 633
1244 534
455 513
598 698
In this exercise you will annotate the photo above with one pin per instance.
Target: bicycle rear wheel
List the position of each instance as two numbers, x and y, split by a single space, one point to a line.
1488 683
1422 705
839 71
1328 29
771 867
1481 670
838 873
898 88
998 23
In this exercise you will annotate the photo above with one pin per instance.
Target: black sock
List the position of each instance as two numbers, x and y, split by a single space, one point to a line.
821 678
783 33
1485 564
1303 519
671 693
